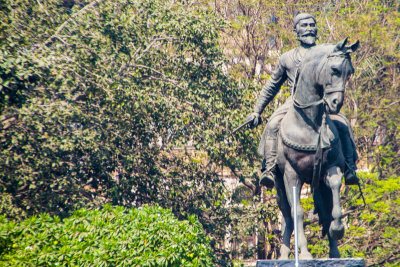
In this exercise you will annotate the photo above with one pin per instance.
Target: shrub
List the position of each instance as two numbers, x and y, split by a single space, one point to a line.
112 236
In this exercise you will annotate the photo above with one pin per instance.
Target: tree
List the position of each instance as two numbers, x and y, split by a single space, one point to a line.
96 96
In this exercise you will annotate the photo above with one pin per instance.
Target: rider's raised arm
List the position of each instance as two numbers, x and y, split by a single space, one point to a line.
272 87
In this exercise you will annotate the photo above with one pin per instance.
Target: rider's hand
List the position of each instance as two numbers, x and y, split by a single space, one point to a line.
255 120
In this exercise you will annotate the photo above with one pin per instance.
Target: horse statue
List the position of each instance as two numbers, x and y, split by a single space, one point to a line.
309 149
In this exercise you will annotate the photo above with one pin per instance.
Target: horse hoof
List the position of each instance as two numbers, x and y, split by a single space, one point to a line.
336 231
284 256
284 253
305 256
334 254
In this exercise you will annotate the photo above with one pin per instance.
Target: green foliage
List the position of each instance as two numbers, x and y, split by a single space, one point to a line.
87 98
250 216
373 232
112 236
96 96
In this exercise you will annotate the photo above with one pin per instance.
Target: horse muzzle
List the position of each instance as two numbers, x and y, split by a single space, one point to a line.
334 101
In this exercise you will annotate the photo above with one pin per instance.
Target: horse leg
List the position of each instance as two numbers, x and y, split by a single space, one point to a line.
287 224
292 179
334 182
323 205
333 248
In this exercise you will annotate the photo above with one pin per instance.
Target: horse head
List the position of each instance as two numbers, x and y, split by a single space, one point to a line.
336 69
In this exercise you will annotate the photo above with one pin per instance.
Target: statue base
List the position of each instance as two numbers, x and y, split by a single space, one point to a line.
354 262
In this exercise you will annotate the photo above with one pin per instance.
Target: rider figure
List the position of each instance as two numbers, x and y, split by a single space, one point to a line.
305 29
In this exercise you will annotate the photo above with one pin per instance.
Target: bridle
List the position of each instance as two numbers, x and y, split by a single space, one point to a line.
323 100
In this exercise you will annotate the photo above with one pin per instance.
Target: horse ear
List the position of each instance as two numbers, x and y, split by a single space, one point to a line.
353 47
340 45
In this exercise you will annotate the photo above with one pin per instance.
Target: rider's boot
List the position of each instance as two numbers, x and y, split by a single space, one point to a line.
268 166
350 176
348 148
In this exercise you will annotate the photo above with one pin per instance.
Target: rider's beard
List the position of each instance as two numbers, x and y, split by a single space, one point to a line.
307 39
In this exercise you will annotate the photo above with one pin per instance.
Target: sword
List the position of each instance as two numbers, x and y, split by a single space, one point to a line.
241 126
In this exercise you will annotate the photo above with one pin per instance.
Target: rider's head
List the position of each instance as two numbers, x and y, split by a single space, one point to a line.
305 28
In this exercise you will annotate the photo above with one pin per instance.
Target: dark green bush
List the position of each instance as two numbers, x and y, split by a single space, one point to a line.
112 236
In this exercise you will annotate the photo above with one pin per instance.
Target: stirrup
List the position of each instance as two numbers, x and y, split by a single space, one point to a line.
268 178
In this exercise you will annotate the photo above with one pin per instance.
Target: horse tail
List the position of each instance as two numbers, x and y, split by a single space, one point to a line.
323 206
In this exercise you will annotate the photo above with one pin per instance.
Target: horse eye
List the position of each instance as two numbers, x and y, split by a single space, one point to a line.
336 71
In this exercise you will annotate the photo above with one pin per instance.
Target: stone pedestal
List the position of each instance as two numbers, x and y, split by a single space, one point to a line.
353 262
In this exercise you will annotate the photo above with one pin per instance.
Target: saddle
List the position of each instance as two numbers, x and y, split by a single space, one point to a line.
306 138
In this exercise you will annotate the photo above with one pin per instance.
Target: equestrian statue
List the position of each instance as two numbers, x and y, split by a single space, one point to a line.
307 140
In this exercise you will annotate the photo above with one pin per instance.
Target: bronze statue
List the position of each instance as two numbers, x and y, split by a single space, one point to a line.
306 30
306 140
309 147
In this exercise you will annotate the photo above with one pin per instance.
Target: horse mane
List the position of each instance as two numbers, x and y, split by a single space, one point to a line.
316 55
318 51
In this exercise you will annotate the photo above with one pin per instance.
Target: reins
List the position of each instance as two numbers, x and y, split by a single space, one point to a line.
307 105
